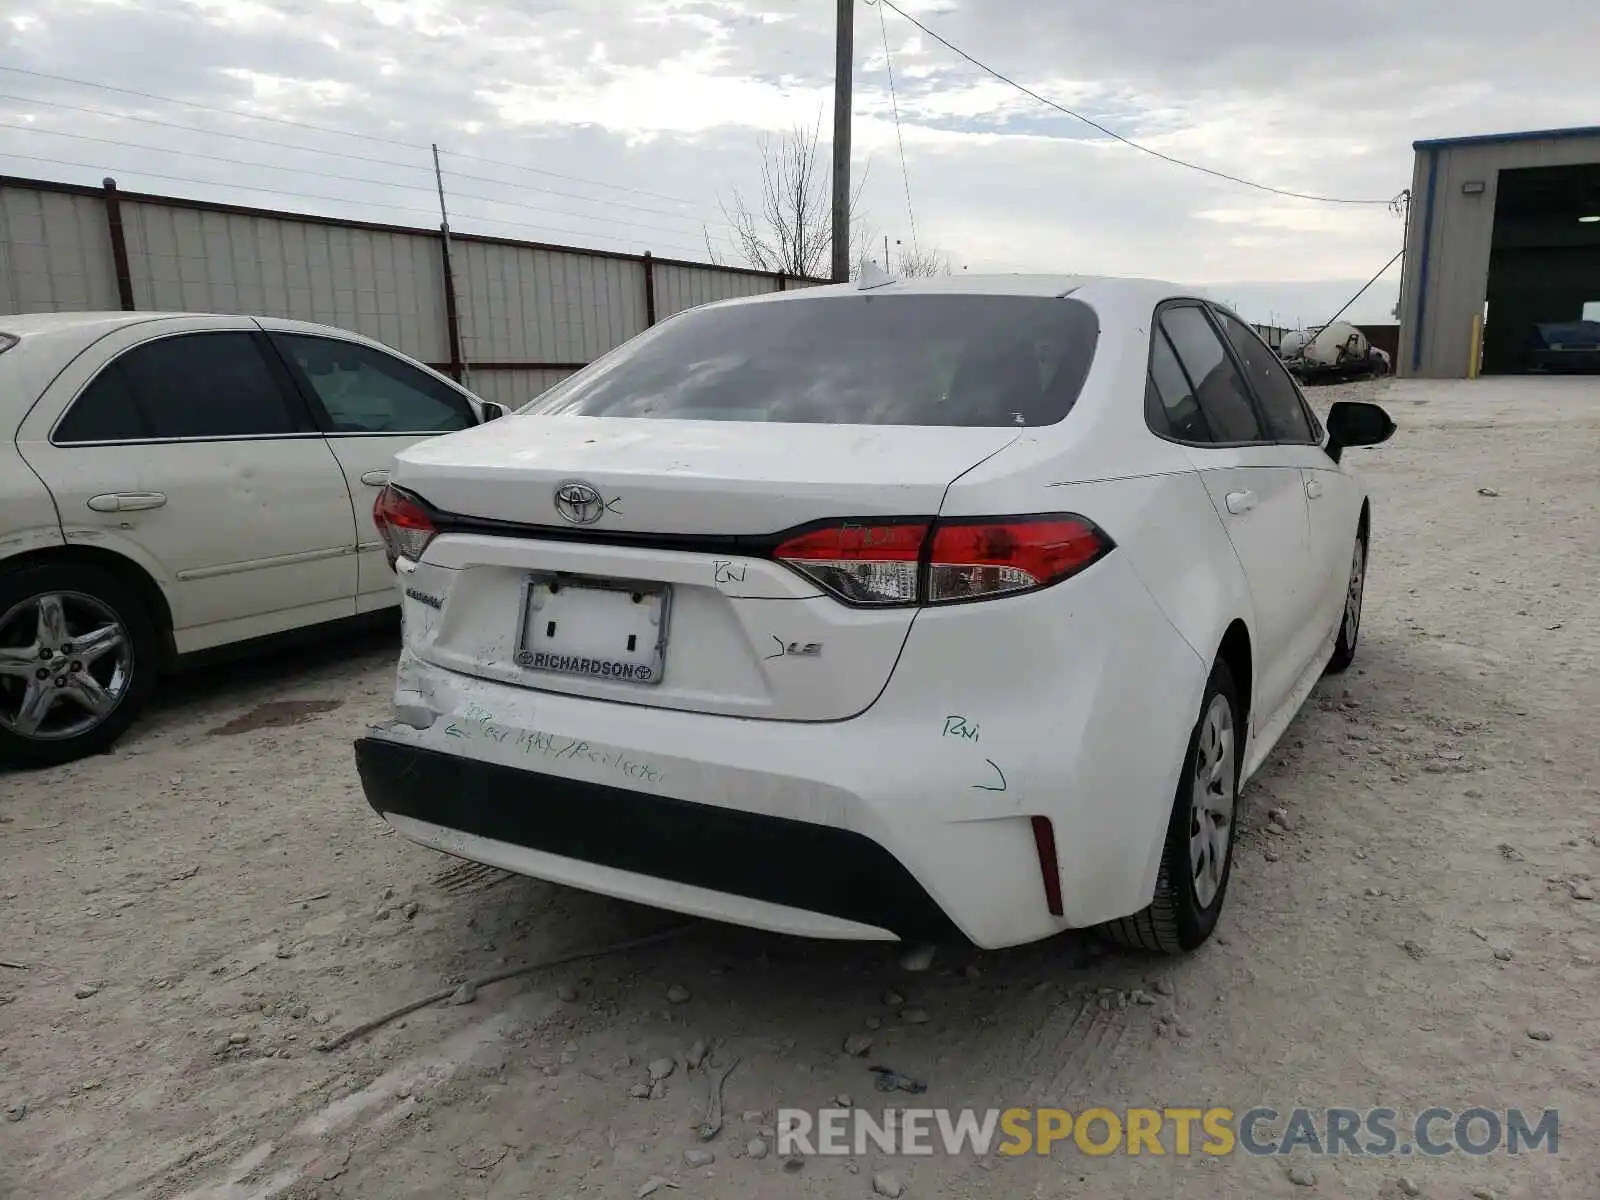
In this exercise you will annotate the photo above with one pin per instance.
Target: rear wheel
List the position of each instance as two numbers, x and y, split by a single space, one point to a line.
1344 649
1197 858
77 662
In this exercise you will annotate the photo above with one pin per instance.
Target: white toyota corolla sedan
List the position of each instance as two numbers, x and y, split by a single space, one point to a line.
934 608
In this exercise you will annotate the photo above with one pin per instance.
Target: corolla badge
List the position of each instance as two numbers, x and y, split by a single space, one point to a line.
579 503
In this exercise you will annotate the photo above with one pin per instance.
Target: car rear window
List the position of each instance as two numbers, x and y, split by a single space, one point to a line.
848 360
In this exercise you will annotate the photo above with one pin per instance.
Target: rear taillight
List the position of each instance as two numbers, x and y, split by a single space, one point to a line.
403 524
945 561
973 560
861 563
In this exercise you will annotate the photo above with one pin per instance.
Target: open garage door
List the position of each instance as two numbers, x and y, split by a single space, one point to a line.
1544 272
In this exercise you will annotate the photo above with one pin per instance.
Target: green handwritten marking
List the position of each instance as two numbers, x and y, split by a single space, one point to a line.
1001 786
956 725
480 722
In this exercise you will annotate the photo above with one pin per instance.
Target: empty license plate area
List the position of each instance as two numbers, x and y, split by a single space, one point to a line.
596 628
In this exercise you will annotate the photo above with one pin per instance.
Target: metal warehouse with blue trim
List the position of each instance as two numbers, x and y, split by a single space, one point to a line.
1502 263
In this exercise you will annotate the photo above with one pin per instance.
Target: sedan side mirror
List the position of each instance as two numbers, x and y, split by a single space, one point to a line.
493 411
1357 423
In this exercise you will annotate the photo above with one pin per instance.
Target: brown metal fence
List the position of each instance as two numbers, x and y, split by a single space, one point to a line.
508 317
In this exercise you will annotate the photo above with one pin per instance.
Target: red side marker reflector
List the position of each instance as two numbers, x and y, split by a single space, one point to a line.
1044 841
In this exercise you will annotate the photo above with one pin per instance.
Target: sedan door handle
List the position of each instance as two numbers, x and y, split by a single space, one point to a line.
1241 502
126 501
1313 488
375 478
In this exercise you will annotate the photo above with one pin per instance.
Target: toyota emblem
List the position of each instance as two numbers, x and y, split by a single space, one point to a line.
579 503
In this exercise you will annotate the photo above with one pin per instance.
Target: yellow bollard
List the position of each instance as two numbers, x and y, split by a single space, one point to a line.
1477 346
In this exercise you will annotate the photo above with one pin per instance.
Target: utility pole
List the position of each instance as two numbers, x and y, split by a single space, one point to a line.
843 70
886 268
458 364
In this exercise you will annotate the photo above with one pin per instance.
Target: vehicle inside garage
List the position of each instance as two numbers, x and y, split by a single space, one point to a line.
1544 272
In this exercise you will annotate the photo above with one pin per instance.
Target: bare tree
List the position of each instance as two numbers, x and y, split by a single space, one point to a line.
790 229
923 262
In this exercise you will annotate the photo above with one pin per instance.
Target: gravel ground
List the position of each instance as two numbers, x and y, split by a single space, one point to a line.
185 918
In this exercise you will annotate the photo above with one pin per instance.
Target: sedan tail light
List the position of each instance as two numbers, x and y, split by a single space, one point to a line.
899 563
974 560
861 563
403 523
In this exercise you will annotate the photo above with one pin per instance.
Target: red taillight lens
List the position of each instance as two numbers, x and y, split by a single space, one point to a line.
972 560
403 524
965 558
859 562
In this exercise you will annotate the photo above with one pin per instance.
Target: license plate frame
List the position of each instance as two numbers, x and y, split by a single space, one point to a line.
554 599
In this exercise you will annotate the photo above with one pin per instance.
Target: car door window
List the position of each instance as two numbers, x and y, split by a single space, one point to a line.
1219 389
1170 405
369 391
104 412
1281 405
193 385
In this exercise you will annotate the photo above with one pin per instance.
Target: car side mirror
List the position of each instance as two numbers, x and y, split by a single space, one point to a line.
493 411
1357 423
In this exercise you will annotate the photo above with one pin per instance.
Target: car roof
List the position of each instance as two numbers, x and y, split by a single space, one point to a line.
1100 291
87 323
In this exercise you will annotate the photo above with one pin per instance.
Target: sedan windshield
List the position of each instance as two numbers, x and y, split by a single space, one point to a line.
969 360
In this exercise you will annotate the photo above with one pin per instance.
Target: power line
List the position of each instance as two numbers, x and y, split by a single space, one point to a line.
419 146
511 166
1398 255
342 154
273 191
1130 143
83 137
227 112
894 100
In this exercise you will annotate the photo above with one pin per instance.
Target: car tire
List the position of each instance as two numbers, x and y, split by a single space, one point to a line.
120 669
1197 855
1344 647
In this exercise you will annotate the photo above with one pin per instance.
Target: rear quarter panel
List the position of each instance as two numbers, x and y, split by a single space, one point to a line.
1102 462
28 518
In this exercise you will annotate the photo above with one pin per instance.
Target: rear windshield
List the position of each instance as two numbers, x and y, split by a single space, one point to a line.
847 360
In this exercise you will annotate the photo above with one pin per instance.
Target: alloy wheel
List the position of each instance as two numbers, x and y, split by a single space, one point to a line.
66 661
1352 599
1212 801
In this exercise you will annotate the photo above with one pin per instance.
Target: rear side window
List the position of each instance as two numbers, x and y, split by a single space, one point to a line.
367 391
1218 387
1170 404
848 360
1287 420
193 385
105 412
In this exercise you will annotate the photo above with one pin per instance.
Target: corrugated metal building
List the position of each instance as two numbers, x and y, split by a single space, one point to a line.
1499 243
509 318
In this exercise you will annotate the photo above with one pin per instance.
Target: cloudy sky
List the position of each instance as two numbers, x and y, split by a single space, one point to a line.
627 124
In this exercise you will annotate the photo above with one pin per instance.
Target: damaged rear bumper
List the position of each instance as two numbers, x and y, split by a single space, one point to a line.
726 863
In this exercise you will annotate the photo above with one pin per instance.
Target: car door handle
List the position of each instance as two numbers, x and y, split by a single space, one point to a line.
1313 488
126 501
1241 502
375 478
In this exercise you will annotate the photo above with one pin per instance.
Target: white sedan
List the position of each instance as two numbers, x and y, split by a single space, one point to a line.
896 611
176 484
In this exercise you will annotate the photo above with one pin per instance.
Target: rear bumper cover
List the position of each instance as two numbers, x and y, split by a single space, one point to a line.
1076 707
795 864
